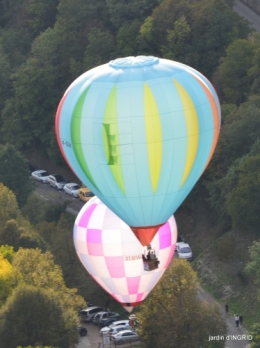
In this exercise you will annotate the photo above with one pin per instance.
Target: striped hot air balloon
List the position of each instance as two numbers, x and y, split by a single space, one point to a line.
109 251
139 132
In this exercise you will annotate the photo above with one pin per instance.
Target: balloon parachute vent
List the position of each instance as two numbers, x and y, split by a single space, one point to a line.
145 234
133 62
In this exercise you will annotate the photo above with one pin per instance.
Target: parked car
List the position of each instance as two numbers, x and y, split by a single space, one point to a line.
82 331
124 337
102 316
57 181
116 329
179 240
124 323
85 194
108 321
41 175
184 251
87 314
97 317
71 189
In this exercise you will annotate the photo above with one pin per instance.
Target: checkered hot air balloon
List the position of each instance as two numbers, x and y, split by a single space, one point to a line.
111 253
139 132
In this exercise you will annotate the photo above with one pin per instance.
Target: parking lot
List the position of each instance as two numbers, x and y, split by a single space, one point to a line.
93 339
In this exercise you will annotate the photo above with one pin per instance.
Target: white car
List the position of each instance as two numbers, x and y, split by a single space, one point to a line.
72 189
57 181
119 323
184 251
41 175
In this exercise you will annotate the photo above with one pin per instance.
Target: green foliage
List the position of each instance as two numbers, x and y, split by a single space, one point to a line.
30 313
225 247
19 233
14 172
255 332
46 275
37 210
126 11
34 84
16 44
177 40
243 201
195 32
253 266
8 252
174 304
41 14
5 80
9 208
127 38
100 48
6 281
11 234
239 70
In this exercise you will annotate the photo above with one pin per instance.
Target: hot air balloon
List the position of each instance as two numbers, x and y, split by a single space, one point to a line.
139 132
110 252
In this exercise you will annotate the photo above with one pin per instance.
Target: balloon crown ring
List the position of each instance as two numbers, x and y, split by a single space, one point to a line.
133 62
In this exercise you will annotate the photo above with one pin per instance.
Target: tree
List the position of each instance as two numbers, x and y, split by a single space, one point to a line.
237 71
126 11
255 332
253 265
33 316
11 234
5 80
100 48
238 134
9 208
41 14
209 27
6 281
173 316
177 40
243 201
46 275
14 172
127 38
8 252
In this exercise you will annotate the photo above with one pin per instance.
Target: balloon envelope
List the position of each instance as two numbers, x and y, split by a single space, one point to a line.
110 252
139 132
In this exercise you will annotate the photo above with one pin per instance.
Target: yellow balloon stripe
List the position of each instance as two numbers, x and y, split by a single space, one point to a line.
153 136
192 128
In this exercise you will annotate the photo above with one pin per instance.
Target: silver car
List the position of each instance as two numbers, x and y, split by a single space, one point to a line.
71 189
41 175
124 336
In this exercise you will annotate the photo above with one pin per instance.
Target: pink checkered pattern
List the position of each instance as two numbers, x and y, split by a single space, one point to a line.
111 253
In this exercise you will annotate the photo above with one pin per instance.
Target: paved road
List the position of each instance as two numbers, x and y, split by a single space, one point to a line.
51 194
247 13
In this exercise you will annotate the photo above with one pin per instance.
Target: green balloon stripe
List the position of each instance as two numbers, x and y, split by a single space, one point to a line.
111 139
76 141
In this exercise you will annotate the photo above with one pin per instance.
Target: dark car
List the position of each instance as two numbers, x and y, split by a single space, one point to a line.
82 331
108 319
